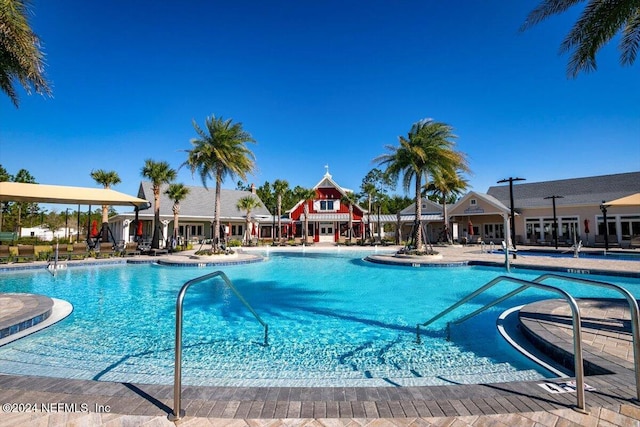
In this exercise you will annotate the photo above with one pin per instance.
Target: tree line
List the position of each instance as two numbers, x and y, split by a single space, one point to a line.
425 158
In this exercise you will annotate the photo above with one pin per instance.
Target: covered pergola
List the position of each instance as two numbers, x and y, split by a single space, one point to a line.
65 195
631 200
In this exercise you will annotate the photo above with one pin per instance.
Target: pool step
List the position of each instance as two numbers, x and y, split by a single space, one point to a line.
149 367
19 312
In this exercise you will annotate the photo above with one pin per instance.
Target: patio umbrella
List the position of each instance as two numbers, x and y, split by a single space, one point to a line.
139 229
470 227
586 226
94 228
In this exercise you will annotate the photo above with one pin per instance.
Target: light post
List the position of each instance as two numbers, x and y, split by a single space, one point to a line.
555 218
513 222
603 208
379 231
66 224
3 212
273 227
78 231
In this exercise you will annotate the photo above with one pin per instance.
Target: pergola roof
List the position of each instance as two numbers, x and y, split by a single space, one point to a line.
631 200
41 193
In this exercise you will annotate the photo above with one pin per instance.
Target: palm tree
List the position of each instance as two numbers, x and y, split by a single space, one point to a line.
247 204
427 149
158 173
350 199
279 188
599 22
177 193
217 153
20 57
446 187
306 194
106 179
369 191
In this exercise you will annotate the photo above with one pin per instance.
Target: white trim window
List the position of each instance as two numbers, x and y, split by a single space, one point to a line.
494 231
611 225
630 226
326 205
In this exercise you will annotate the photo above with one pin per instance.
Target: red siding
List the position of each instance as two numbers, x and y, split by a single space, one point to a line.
326 193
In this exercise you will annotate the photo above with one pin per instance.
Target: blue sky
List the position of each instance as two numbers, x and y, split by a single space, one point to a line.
316 83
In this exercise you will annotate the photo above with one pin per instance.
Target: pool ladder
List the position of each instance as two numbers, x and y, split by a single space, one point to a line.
177 379
576 320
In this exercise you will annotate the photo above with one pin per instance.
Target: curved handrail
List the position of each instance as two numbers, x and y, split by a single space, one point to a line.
633 309
177 379
575 311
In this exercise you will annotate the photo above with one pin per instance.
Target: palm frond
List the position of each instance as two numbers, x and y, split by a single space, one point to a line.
630 39
598 23
21 59
546 9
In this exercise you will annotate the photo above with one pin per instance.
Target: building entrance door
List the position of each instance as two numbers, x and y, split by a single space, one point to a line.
326 232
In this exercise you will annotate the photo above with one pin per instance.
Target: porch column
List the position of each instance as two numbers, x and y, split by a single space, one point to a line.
507 230
165 229
125 230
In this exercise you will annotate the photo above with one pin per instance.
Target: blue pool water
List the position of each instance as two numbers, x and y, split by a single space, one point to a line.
334 320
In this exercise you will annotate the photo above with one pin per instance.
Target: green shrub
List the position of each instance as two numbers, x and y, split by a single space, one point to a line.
207 252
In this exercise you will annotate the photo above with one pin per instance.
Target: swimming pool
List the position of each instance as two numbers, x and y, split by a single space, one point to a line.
334 320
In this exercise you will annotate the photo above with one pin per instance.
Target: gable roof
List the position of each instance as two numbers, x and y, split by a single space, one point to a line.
200 202
497 204
327 182
428 207
576 191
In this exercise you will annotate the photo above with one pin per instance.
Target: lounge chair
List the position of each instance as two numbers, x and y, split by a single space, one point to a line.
634 242
5 255
107 250
144 247
130 249
26 253
612 239
79 251
8 237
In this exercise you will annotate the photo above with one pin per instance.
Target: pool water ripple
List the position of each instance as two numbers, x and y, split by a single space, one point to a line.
333 321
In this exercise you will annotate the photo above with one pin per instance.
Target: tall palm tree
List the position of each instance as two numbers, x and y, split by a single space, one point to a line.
446 186
279 188
158 173
247 204
306 194
350 199
427 149
20 57
369 191
106 179
599 22
176 192
218 153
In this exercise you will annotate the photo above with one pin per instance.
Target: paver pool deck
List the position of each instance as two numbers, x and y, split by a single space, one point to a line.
606 343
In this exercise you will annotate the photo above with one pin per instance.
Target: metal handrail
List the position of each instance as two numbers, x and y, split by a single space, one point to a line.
633 309
177 380
575 311
55 262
